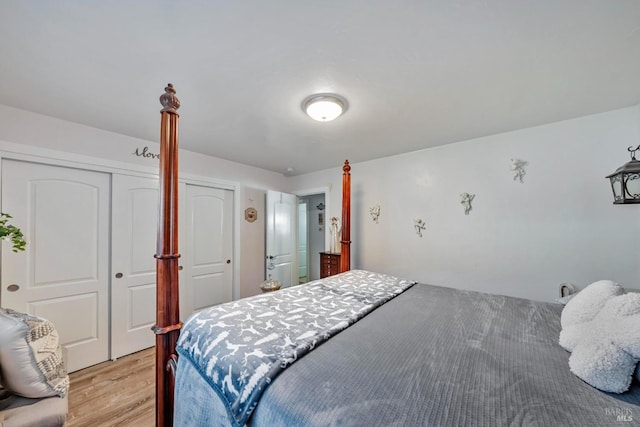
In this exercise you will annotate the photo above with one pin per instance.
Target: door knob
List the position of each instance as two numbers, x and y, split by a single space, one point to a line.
13 287
119 275
271 264
180 268
228 261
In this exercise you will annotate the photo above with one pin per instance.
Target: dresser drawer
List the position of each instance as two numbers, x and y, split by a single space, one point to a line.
329 264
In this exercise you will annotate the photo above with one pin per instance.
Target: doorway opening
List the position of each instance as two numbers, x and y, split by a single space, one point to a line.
312 224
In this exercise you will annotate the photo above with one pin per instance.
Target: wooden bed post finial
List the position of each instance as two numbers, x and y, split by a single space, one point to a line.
345 242
169 100
167 327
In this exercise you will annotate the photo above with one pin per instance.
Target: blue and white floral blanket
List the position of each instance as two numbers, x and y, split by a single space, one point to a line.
241 346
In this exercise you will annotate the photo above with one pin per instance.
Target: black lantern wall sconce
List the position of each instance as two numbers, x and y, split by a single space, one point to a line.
625 181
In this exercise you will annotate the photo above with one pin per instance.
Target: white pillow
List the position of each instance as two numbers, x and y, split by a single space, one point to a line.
602 365
584 306
30 356
606 349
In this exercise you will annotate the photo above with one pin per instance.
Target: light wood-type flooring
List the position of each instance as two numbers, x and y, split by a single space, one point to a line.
119 393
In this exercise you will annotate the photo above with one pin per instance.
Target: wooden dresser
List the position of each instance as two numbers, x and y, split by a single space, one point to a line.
329 264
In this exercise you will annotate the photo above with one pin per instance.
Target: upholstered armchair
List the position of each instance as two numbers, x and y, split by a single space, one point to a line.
34 383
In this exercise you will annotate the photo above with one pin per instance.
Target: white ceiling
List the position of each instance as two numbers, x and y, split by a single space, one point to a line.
416 74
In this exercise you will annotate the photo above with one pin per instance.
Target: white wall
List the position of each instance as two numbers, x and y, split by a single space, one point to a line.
252 241
520 239
25 129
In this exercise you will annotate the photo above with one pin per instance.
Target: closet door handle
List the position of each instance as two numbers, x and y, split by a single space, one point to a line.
13 287
180 268
119 275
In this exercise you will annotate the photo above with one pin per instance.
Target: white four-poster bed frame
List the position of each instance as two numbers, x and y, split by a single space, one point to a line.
168 324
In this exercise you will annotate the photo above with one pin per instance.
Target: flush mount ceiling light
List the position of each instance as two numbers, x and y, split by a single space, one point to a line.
324 107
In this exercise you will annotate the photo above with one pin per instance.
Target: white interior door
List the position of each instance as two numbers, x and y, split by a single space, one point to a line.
133 282
282 239
64 274
207 253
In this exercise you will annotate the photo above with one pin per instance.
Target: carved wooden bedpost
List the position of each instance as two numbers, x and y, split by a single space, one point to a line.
345 242
167 327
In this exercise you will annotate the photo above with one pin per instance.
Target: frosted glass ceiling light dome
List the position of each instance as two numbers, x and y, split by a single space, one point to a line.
324 107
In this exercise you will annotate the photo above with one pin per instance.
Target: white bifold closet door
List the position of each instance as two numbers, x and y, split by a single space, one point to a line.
89 265
207 224
205 216
63 275
133 273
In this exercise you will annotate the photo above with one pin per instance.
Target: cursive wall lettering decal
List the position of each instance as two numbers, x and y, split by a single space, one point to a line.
146 153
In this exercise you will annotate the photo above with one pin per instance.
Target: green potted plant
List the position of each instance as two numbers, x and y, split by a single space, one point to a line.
11 232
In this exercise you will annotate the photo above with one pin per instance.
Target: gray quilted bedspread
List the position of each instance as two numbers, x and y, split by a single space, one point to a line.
437 356
432 356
